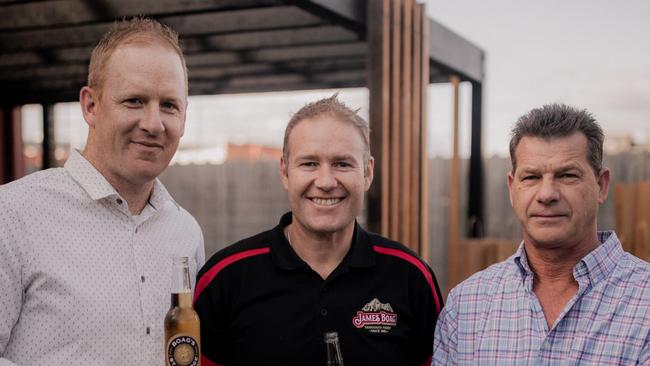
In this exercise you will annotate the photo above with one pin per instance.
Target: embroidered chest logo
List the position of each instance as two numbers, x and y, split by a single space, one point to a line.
376 317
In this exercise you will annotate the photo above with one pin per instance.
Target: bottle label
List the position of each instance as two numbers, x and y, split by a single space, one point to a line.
183 350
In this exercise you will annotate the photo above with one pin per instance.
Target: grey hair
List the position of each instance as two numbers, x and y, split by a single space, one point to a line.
560 120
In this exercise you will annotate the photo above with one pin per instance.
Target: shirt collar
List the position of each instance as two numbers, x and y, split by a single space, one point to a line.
522 261
88 177
160 195
97 187
360 254
596 265
600 262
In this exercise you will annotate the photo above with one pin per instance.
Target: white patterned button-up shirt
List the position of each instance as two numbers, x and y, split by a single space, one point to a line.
82 280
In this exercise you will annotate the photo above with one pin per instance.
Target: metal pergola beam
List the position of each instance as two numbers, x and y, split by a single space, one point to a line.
47 14
449 50
233 21
350 14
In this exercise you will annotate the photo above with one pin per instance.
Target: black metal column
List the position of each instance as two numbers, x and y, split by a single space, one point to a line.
6 158
475 204
48 136
11 145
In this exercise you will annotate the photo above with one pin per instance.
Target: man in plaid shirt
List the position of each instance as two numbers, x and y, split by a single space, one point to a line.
570 295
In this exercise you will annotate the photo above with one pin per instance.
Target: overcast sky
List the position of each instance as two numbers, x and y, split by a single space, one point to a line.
593 54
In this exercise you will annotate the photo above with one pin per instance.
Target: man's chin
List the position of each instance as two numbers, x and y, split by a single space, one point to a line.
547 239
327 228
143 173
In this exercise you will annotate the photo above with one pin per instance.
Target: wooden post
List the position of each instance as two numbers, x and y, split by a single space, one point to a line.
416 127
453 193
406 126
379 94
398 66
395 102
424 160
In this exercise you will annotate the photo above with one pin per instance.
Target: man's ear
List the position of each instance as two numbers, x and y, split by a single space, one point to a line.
88 99
184 118
284 174
510 179
369 173
603 185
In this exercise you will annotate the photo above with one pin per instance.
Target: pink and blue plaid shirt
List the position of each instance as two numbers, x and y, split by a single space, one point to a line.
494 318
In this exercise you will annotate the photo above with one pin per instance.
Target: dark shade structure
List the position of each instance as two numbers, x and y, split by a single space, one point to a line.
231 46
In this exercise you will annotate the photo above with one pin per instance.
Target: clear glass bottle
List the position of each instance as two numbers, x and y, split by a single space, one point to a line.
182 326
334 357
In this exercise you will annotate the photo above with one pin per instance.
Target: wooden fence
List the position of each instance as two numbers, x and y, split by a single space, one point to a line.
632 212
235 200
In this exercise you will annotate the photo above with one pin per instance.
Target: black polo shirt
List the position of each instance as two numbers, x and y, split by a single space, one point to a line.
260 304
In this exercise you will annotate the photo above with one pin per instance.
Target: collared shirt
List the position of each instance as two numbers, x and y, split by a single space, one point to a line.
83 281
495 318
261 304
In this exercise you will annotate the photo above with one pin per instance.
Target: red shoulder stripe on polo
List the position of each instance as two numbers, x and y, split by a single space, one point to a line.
427 362
212 272
208 362
414 261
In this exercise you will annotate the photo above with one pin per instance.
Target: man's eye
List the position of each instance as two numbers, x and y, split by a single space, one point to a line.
342 164
529 177
568 176
169 105
133 102
308 164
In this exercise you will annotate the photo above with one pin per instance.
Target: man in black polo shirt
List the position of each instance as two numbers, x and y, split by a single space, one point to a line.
269 299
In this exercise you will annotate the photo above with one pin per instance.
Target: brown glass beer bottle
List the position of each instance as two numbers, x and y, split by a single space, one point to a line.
182 326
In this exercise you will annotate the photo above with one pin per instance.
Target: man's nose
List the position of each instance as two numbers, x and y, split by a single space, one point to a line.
548 191
325 179
152 122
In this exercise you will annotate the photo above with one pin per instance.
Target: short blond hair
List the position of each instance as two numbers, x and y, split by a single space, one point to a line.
334 108
129 31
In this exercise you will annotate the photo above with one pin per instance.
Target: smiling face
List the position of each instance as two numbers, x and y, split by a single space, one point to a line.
137 118
324 175
555 193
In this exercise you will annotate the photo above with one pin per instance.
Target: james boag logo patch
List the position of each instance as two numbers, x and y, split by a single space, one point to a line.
376 317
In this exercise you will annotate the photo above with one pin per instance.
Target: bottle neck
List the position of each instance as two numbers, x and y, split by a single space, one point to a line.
183 300
334 357
181 285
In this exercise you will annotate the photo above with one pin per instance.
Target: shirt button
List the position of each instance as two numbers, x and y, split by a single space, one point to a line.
323 312
148 330
119 201
142 278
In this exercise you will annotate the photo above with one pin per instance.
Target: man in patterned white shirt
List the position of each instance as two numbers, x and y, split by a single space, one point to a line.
570 295
87 249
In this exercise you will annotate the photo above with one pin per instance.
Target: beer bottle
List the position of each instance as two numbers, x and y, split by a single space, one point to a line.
182 327
334 357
